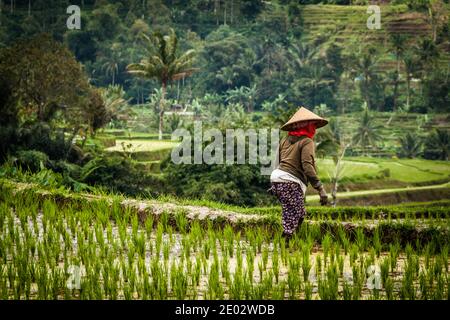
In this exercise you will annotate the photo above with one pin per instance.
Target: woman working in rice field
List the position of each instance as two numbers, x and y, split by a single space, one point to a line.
296 168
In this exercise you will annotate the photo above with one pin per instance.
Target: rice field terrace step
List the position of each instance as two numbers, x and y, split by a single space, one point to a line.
399 229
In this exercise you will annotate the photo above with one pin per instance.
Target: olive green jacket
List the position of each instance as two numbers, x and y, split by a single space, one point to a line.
297 156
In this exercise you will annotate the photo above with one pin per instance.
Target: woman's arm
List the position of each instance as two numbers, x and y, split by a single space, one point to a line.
308 164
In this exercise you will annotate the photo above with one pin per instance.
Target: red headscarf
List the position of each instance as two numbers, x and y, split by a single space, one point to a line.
308 130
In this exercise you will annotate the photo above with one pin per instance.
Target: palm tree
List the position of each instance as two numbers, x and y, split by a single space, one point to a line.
398 44
410 145
164 64
366 67
111 68
115 103
410 62
313 81
301 55
227 75
244 95
437 145
427 54
437 16
367 134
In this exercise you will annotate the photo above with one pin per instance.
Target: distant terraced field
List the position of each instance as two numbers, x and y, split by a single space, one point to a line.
347 25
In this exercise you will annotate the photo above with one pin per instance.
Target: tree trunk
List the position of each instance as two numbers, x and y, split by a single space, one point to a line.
408 91
224 13
394 93
231 13
216 10
161 110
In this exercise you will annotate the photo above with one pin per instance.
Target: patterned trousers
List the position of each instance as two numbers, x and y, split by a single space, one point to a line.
292 200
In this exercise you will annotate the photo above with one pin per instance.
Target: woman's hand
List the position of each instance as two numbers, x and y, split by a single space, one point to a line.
323 196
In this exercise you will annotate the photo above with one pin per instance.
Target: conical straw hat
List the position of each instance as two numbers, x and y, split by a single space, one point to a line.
304 114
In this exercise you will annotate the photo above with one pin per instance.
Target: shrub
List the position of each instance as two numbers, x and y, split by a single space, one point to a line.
31 159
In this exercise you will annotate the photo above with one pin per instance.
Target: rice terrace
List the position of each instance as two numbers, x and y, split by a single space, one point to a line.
94 207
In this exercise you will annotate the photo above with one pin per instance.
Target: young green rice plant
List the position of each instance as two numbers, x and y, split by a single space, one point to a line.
258 292
306 263
407 290
335 251
181 222
215 290
427 251
181 283
134 225
326 244
384 269
409 251
437 267
283 251
239 257
377 242
206 249
197 270
293 281
358 278
275 263
265 256
332 282
99 235
186 243
440 288
394 250
229 236
448 288
343 239
340 263
318 266
122 234
389 288
250 259
173 274
149 226
204 264
225 268
164 220
159 238
423 285
139 243
247 287
346 290
237 285
444 257
249 234
259 241
131 253
353 254
197 232
360 239
308 290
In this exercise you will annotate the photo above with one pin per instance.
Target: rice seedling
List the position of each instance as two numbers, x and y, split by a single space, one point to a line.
393 254
306 263
360 239
326 244
181 222
172 258
276 264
